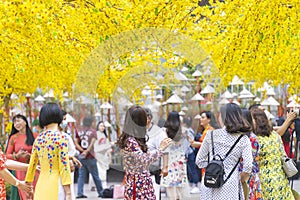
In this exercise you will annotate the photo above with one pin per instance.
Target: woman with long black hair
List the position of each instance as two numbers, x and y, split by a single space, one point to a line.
19 148
102 149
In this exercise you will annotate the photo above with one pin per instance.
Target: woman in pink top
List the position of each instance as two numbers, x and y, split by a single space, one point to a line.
19 148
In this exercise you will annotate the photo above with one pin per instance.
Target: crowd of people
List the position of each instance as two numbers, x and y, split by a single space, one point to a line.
171 154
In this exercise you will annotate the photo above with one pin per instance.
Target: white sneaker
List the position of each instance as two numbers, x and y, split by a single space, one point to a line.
195 190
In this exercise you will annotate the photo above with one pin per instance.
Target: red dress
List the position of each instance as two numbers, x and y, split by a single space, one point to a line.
16 143
2 184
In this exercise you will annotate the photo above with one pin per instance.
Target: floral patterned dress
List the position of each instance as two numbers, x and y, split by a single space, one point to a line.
274 182
255 192
2 184
177 174
137 175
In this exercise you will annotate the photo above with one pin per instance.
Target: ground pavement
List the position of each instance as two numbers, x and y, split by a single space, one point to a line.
92 195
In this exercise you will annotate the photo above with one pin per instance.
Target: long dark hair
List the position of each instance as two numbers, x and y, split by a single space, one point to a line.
134 126
173 126
262 126
211 116
97 128
29 135
233 119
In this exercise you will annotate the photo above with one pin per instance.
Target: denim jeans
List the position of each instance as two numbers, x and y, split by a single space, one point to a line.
89 166
192 169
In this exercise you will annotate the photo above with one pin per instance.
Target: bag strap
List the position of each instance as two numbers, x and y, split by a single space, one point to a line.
232 171
232 147
212 143
236 162
213 148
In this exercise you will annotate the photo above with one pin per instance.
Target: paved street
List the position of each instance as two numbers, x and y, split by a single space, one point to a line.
92 195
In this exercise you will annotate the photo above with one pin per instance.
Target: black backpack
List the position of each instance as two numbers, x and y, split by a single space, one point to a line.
214 172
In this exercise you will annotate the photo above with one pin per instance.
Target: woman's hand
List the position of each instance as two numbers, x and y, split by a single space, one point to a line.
76 161
26 187
190 139
244 177
72 166
22 154
38 168
290 116
165 143
164 171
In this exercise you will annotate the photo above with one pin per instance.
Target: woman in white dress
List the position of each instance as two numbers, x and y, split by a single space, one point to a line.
71 152
102 149
176 182
223 140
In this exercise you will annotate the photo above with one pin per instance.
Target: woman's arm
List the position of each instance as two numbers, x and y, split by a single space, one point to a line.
63 161
138 155
244 177
164 170
196 144
78 147
32 165
289 120
10 154
201 158
8 177
247 156
15 165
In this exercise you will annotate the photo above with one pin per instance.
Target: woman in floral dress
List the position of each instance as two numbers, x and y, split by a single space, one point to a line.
274 182
132 142
177 174
5 175
254 181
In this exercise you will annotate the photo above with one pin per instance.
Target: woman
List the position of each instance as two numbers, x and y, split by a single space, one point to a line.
102 148
50 149
5 175
132 142
19 147
223 139
208 122
274 182
73 161
254 180
177 173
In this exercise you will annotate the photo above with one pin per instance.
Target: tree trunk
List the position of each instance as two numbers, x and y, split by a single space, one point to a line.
29 110
108 119
4 117
117 120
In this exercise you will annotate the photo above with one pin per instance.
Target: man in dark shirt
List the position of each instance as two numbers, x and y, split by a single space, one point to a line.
85 139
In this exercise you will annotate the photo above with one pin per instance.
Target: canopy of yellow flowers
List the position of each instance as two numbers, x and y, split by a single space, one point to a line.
44 43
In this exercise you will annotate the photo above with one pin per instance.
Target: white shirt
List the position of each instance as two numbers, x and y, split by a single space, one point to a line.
156 135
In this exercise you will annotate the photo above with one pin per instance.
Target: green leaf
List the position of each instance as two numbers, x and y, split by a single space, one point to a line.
156 11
